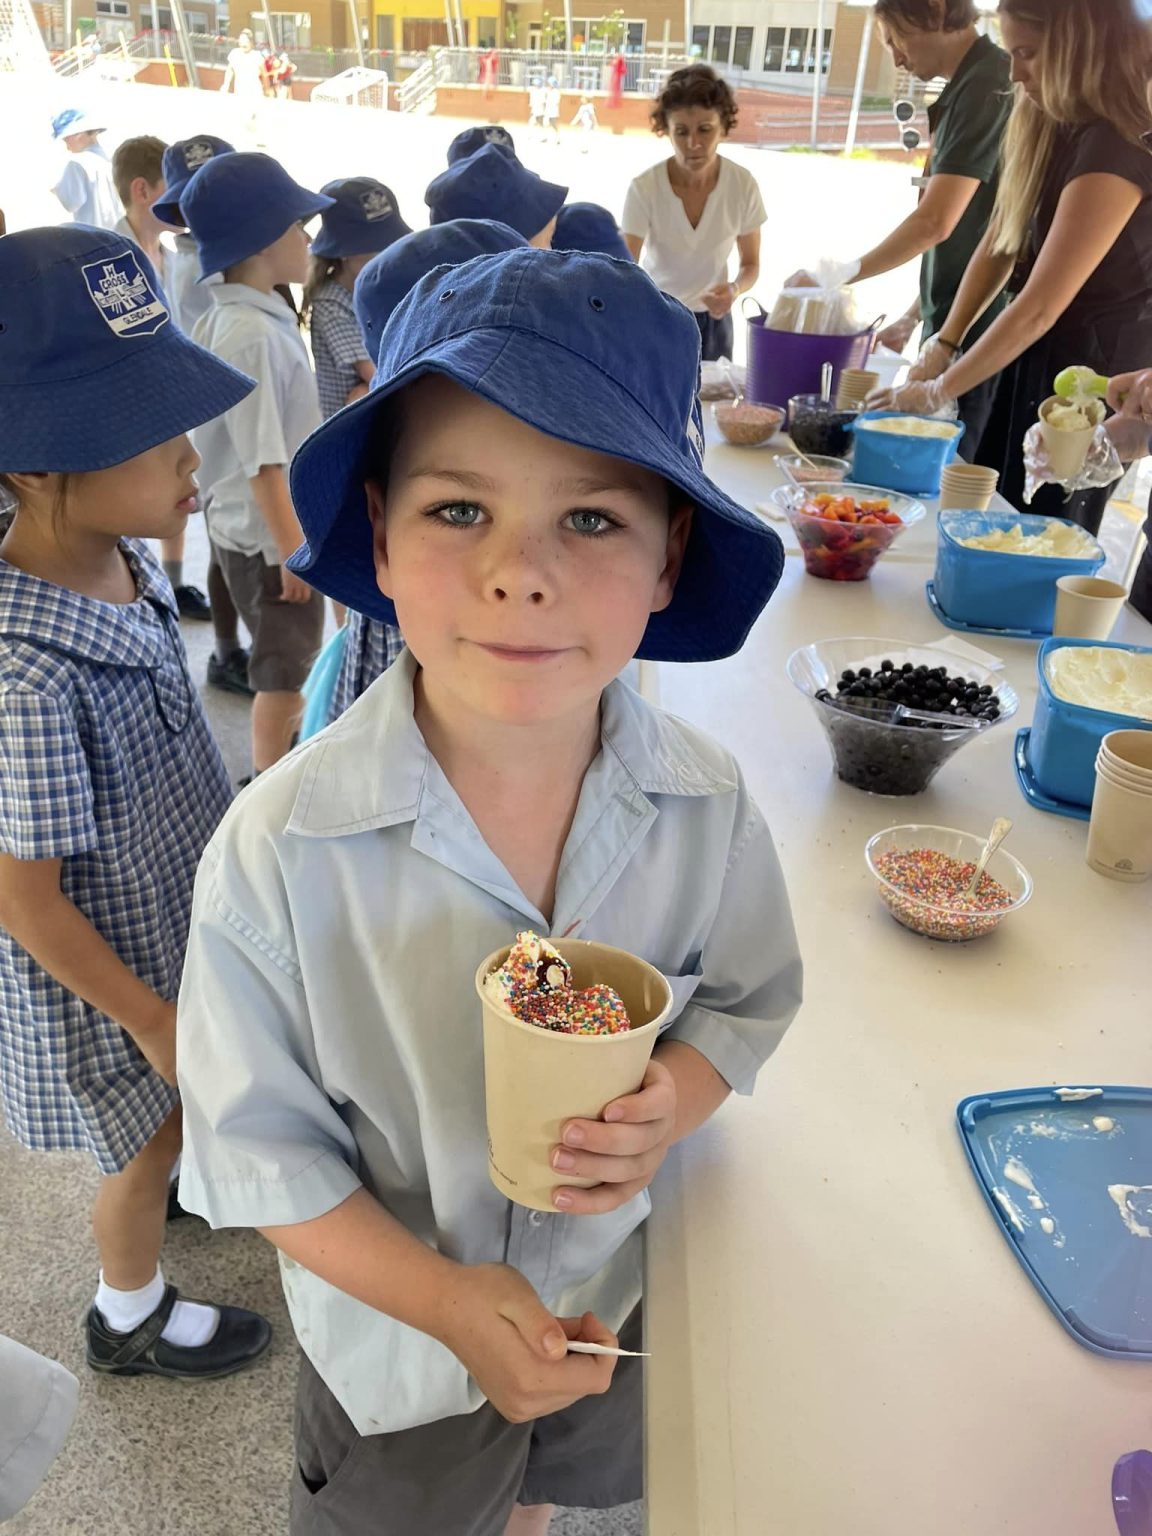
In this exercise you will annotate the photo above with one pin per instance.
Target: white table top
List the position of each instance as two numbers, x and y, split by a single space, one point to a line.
841 1339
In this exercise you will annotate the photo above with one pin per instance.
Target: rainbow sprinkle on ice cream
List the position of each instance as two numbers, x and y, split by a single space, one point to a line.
534 983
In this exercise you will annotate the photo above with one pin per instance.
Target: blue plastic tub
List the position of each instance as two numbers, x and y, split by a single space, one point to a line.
994 591
909 464
1066 737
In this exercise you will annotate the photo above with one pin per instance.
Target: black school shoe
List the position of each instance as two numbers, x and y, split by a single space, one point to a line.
230 675
240 1338
192 604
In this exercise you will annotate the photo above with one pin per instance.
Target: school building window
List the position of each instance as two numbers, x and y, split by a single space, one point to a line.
421 33
723 45
793 50
117 8
742 48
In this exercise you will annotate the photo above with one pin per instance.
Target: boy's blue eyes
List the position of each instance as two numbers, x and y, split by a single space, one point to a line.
467 514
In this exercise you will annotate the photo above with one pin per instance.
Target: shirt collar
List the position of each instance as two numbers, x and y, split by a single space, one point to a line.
338 294
337 796
112 634
978 51
270 303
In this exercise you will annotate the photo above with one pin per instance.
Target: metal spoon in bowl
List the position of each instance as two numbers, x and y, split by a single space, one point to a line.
1000 830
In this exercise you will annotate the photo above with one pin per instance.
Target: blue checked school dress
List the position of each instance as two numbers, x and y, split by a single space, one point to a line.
107 763
370 648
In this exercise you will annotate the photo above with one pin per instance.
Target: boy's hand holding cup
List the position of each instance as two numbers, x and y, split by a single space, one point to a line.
623 1151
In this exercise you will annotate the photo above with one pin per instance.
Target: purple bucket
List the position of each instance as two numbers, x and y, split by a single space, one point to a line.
785 363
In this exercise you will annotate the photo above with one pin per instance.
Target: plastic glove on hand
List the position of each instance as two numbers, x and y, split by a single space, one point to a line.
917 397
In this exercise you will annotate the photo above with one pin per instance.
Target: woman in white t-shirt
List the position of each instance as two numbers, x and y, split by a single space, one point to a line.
245 71
683 217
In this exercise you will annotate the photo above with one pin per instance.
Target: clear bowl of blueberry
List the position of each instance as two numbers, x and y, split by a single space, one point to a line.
895 713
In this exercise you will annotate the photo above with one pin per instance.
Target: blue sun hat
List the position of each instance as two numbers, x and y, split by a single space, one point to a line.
586 350
75 120
395 272
588 227
238 204
472 139
364 216
180 163
93 369
489 185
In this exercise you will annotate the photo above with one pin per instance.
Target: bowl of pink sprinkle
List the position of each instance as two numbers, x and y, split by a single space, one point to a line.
922 874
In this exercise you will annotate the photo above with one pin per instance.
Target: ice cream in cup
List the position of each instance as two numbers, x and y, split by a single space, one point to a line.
1068 427
569 1025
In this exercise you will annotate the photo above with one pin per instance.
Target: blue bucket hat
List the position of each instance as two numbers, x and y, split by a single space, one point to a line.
181 162
472 139
238 204
586 350
93 369
489 185
363 217
395 272
588 227
75 120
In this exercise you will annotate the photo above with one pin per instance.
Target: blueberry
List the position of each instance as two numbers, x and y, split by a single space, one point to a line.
848 676
857 690
865 672
907 667
986 691
886 666
822 694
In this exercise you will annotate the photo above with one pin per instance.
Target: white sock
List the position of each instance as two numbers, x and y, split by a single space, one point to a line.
189 1326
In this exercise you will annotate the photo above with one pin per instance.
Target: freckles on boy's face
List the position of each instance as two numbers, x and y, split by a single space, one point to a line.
523 569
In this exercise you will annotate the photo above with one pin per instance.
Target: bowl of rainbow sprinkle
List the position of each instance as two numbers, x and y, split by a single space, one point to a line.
922 874
569 1025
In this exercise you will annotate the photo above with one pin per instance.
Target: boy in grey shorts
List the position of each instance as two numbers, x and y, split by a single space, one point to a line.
522 491
246 215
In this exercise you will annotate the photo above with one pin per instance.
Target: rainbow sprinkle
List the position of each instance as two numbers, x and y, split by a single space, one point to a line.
535 984
925 892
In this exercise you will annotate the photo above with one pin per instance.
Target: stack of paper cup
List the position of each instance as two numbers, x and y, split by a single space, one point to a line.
854 386
535 1079
1067 450
1087 607
1120 833
967 487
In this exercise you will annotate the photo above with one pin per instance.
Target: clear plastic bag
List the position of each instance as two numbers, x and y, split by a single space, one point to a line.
829 309
1102 465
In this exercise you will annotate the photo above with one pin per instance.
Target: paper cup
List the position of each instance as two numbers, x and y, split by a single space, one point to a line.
854 385
1067 451
1139 784
967 487
535 1080
1120 832
1087 607
1129 750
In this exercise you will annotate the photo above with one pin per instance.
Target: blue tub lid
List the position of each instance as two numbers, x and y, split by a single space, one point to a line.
866 416
1055 643
955 524
1068 1174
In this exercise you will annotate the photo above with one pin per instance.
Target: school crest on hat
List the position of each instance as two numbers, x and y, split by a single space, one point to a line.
198 152
121 291
376 204
498 135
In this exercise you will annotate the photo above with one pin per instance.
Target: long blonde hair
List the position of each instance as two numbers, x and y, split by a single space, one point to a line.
320 269
1093 65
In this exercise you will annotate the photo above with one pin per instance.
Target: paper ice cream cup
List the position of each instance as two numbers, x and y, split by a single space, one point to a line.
967 487
1120 832
1087 607
1130 750
535 1080
1066 450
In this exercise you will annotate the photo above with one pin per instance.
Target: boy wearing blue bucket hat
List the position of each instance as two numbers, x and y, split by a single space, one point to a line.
472 139
111 783
246 215
190 297
490 184
85 185
363 220
522 490
588 227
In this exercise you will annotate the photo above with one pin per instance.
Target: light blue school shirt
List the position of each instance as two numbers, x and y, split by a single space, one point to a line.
329 1031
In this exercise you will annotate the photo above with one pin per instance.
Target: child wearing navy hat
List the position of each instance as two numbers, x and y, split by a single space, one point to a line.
522 490
246 215
85 186
363 220
490 184
111 782
588 227
472 139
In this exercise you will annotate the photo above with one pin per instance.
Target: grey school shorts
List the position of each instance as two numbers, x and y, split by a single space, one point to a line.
286 637
463 1476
